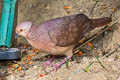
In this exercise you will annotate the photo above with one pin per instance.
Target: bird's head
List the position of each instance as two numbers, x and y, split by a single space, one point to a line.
23 28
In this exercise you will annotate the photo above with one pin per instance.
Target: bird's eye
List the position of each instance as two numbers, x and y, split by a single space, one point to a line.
21 30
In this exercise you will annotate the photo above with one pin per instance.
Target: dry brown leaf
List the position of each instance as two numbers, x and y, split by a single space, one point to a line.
19 68
25 46
90 44
67 7
35 50
114 9
28 58
15 65
41 75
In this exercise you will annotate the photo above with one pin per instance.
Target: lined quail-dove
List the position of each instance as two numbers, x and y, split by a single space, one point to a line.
59 35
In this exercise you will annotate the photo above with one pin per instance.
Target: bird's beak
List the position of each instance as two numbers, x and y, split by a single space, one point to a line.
16 36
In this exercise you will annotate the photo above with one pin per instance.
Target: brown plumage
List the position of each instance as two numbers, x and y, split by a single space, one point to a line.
59 35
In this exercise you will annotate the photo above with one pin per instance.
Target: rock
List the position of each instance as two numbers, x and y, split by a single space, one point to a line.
30 5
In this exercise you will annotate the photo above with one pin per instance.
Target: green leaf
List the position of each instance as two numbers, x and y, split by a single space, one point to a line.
88 67
67 63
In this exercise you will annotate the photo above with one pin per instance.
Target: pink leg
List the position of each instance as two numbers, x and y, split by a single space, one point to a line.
57 66
49 62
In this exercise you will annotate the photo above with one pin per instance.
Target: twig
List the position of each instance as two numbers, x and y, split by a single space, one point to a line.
109 54
100 62
96 35
96 1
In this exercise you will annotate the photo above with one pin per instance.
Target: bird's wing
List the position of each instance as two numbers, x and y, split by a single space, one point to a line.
69 32
59 37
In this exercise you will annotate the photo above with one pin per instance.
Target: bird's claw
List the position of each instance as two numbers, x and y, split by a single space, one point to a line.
55 67
47 63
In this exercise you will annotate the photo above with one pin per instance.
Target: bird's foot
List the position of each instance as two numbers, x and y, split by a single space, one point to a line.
57 66
49 62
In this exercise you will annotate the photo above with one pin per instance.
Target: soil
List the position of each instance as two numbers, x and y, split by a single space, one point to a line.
106 46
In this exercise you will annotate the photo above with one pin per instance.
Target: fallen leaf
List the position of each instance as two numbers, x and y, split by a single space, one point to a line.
19 68
80 53
29 62
32 54
35 50
41 75
15 65
67 7
28 57
9 66
25 46
90 45
102 8
114 9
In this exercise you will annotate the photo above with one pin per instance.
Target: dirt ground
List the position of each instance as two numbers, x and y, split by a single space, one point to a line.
38 11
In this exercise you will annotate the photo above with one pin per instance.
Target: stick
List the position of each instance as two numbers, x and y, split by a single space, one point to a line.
96 1
96 35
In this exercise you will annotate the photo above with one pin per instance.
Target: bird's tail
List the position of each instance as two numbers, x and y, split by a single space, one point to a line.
100 22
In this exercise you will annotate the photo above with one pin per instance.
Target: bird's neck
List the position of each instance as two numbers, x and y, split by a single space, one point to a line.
32 28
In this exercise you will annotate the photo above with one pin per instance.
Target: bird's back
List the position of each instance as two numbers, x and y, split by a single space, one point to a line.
67 30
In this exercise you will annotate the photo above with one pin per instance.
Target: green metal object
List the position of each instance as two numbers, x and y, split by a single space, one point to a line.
6 25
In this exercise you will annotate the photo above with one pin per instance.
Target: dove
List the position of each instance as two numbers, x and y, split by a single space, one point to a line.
59 35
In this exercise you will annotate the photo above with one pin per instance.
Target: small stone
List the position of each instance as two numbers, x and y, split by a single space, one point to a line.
30 5
110 59
85 59
47 7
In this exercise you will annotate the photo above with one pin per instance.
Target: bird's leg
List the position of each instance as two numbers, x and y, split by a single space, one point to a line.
68 54
49 62
57 66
